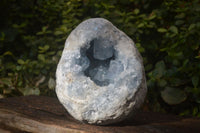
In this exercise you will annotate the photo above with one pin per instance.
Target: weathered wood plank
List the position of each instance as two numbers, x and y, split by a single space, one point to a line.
46 114
13 119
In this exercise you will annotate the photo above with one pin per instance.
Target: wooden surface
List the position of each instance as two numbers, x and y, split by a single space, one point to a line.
45 114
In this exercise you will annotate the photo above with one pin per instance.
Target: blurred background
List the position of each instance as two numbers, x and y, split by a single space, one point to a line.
166 32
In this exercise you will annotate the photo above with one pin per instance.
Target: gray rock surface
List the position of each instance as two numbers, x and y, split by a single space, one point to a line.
100 77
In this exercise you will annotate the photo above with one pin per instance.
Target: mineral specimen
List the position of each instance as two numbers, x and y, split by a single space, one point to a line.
100 77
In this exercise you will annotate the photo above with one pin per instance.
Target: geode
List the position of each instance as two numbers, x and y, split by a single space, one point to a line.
100 77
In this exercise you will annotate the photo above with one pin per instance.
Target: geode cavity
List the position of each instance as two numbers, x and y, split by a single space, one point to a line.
100 76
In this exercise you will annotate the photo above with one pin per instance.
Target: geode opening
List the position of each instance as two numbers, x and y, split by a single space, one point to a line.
100 53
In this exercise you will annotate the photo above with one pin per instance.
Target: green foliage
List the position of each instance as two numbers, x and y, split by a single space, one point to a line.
32 36
173 96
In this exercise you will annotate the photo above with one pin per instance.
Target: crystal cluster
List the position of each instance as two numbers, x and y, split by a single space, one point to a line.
100 76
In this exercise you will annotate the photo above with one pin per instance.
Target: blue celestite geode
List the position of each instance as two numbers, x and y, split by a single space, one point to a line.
100 78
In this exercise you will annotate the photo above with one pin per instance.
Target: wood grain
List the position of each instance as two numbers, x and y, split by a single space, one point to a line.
46 115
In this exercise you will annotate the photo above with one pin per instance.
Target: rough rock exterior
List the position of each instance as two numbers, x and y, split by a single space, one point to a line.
100 77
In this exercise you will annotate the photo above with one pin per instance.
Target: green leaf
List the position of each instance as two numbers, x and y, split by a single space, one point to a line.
39 33
162 30
164 49
197 57
2 37
179 22
6 81
173 96
138 45
58 33
185 62
195 81
30 91
18 68
195 111
174 29
43 49
41 57
46 47
192 26
136 11
20 61
159 69
152 16
180 16
185 112
51 83
44 28
140 25
8 53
